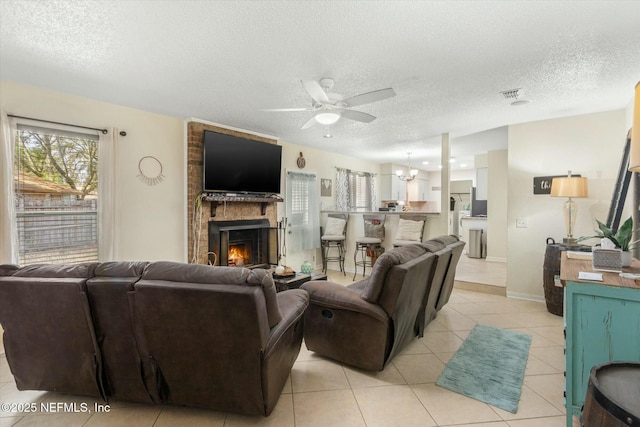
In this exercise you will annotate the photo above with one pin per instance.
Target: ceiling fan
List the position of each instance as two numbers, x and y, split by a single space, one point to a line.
330 107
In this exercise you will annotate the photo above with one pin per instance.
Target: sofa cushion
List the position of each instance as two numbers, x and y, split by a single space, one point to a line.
409 230
8 269
446 240
335 227
120 269
66 271
433 245
196 273
396 256
374 230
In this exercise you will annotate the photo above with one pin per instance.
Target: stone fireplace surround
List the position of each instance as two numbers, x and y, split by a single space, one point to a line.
226 211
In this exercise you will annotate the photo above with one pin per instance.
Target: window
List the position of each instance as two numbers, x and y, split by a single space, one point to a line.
360 191
56 181
355 191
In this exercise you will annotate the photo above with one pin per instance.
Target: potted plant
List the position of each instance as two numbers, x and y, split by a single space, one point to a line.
621 238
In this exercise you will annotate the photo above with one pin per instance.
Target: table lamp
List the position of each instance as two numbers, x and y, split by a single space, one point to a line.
570 187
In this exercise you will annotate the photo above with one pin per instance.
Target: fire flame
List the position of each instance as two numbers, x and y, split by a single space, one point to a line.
237 255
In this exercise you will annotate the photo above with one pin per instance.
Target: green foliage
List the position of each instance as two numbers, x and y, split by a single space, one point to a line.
59 159
621 238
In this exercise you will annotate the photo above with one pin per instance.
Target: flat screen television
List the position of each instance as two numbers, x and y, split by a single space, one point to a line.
233 164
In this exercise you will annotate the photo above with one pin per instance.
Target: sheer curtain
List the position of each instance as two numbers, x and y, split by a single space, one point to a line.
303 216
107 206
8 229
343 195
373 181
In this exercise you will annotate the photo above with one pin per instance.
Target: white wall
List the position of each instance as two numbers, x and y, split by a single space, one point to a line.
497 202
590 145
150 222
324 165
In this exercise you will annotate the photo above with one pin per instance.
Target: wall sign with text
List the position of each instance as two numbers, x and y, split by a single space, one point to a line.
542 184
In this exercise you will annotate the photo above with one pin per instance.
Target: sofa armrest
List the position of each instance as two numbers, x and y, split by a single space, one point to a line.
293 304
334 295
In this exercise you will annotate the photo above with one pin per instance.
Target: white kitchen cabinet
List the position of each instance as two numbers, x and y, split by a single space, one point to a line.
392 188
418 189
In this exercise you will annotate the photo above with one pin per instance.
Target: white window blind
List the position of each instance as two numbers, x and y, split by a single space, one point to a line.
302 211
355 191
360 191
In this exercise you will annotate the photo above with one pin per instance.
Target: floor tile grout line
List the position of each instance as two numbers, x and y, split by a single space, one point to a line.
541 396
422 403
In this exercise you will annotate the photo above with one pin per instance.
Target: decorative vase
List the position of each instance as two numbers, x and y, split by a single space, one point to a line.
626 258
306 268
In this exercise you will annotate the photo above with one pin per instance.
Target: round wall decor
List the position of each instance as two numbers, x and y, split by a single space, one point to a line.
150 170
301 161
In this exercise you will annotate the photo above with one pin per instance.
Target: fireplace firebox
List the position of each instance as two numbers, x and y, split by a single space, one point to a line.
244 243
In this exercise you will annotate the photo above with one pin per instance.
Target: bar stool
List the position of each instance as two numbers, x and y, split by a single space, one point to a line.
410 229
369 246
334 236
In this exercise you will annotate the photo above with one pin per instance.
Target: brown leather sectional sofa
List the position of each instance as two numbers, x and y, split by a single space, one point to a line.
213 337
367 323
163 332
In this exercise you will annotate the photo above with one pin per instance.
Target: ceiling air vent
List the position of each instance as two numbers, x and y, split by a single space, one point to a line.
514 96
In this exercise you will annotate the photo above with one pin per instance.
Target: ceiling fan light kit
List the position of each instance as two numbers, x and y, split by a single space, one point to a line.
327 118
331 107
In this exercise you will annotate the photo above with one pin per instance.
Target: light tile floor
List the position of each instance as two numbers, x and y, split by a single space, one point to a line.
479 270
325 393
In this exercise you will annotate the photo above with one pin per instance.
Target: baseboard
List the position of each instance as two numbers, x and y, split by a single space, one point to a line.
528 297
495 259
480 287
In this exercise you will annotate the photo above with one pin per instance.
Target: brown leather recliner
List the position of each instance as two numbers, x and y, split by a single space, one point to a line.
219 338
49 338
214 337
127 374
456 247
368 322
428 310
447 250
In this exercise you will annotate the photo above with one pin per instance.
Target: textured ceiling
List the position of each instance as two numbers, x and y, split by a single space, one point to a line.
224 61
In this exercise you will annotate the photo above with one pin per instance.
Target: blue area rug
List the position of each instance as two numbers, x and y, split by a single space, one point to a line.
489 366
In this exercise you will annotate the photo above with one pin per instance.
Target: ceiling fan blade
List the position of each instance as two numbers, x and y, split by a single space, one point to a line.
312 121
358 116
288 109
314 90
366 98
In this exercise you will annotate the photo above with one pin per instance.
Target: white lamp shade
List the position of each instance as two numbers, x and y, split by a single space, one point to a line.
327 118
569 186
634 155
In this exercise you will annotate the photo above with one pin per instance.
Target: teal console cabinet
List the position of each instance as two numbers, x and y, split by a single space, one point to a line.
602 324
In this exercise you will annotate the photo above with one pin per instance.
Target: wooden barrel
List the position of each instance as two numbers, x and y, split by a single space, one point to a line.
613 396
553 295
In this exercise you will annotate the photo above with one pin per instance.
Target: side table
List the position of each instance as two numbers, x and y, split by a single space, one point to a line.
294 282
